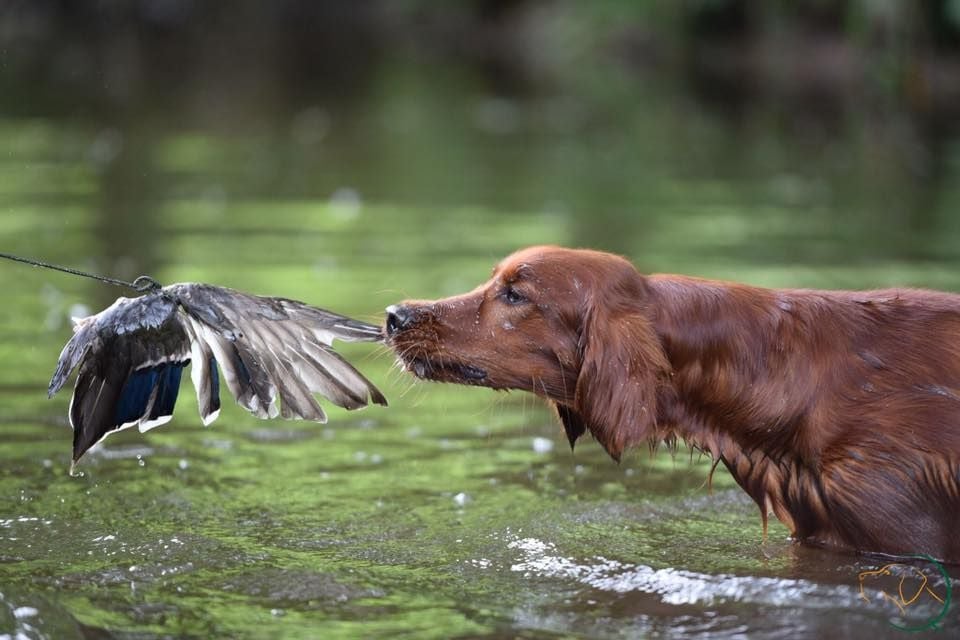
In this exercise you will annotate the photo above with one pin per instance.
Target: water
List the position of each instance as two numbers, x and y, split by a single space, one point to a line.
455 512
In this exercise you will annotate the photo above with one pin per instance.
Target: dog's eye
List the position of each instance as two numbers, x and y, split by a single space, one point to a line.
512 296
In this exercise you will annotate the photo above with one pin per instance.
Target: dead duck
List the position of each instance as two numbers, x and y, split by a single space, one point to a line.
274 354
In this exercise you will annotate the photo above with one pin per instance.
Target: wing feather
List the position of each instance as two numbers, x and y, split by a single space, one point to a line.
204 375
278 349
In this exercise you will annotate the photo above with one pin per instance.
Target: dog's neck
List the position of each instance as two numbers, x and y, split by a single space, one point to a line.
720 396
728 363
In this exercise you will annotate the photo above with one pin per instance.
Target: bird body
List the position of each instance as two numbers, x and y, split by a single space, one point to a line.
274 354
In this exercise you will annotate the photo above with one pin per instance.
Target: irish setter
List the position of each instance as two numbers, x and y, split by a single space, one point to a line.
837 411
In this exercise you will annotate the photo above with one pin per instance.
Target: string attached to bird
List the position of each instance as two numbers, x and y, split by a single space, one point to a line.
142 284
274 354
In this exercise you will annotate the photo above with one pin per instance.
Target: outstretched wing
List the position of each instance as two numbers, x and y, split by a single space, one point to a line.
132 354
273 349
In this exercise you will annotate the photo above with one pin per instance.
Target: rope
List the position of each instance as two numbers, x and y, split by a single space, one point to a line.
142 284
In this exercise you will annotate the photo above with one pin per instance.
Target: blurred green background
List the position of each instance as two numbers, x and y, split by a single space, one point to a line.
351 154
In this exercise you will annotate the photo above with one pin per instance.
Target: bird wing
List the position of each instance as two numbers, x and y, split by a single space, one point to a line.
132 354
272 349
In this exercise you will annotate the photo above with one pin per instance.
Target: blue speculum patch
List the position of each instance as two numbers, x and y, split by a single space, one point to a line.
167 390
165 378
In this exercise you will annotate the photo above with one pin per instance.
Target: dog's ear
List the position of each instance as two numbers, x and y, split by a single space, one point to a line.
622 367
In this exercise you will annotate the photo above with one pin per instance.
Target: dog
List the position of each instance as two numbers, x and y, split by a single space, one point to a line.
836 411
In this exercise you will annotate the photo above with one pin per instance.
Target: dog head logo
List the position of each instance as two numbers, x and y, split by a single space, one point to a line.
918 593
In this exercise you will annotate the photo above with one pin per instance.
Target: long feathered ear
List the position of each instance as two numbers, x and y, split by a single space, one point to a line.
622 367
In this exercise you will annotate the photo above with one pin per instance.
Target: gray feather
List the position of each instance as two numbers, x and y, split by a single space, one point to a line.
269 335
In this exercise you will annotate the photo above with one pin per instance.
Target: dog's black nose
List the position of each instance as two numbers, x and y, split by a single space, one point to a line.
399 318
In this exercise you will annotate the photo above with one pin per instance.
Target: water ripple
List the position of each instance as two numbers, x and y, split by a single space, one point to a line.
677 586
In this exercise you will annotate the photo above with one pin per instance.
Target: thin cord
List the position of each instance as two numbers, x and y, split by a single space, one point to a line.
142 284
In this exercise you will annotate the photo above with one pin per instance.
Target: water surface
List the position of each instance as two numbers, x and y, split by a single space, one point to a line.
455 512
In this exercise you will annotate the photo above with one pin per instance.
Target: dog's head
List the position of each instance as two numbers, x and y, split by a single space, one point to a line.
568 325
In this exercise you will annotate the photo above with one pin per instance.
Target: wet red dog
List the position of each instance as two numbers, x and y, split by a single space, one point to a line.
837 411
